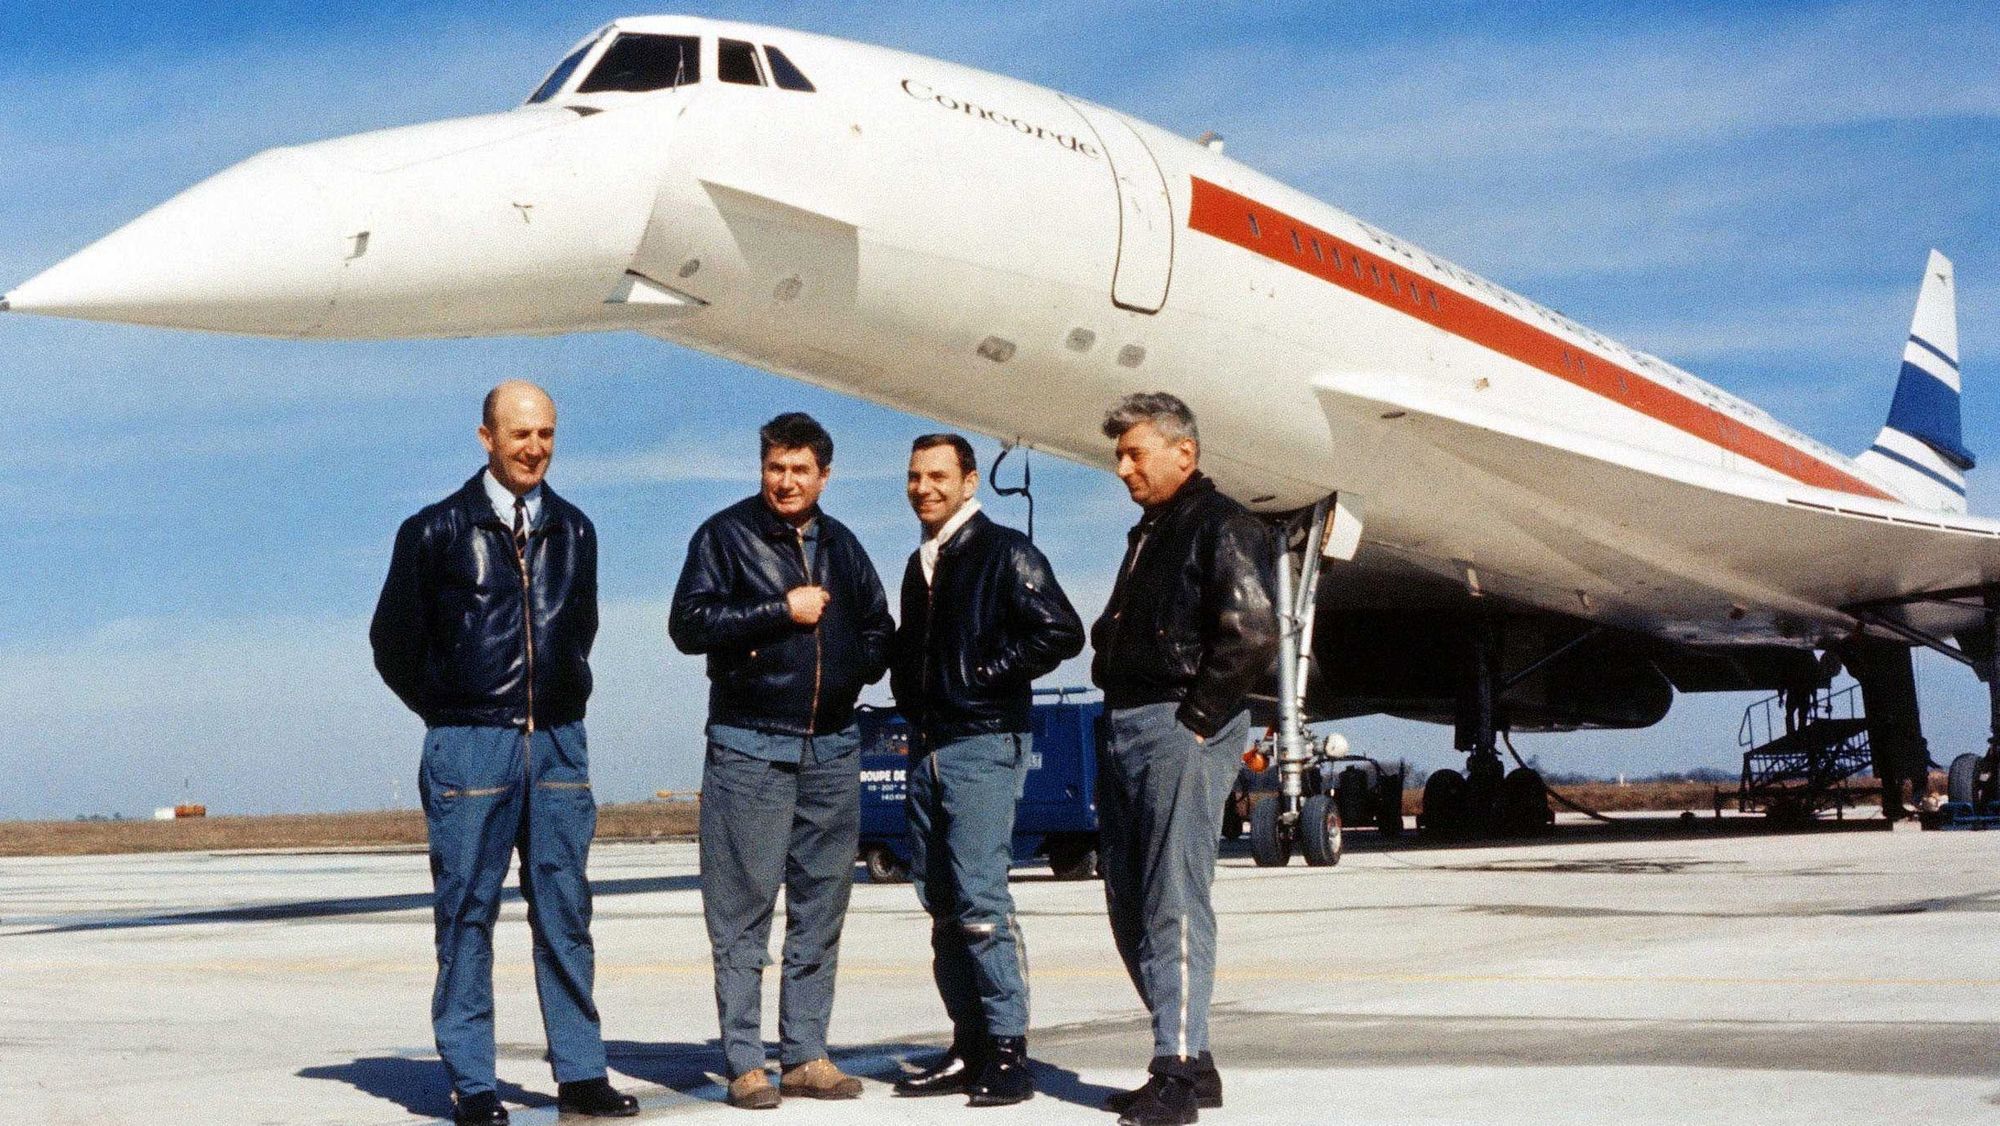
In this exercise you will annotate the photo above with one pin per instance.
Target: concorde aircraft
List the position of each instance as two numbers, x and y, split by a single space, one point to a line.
1500 518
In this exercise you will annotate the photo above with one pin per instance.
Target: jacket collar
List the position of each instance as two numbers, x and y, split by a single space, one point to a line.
1196 485
772 526
965 531
471 499
964 534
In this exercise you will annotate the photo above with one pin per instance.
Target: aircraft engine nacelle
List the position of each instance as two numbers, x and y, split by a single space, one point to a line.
1420 665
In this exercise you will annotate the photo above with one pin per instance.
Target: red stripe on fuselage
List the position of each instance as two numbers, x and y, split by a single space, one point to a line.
1272 234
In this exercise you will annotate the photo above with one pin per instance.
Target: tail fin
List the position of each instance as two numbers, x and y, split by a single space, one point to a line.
1921 452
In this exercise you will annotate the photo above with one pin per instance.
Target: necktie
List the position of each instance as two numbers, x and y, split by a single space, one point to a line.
520 526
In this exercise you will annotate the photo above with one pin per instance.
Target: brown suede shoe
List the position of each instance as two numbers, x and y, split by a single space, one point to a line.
752 1090
819 1079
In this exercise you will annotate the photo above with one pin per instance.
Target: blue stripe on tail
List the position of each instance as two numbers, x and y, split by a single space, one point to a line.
1927 471
1934 350
1927 410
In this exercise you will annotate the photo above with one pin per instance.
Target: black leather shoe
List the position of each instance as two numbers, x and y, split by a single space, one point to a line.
1207 1088
594 1098
1004 1080
482 1109
1165 1100
951 1074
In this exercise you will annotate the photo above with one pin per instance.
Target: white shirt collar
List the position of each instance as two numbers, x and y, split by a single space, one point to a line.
502 500
927 553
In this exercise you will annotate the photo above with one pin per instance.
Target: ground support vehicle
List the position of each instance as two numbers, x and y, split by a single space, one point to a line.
1057 814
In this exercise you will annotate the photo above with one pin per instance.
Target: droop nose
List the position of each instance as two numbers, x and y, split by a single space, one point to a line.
521 222
253 249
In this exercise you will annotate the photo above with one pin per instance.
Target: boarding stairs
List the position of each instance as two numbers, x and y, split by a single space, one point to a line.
1800 762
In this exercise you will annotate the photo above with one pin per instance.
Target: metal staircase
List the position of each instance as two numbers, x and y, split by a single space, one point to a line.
1800 762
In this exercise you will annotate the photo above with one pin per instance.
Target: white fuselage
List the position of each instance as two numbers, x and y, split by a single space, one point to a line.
1010 260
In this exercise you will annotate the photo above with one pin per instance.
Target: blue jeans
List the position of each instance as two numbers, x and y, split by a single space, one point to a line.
1159 812
489 792
961 813
767 823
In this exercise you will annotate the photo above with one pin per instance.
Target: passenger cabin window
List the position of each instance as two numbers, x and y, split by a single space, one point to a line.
786 75
560 74
736 61
638 63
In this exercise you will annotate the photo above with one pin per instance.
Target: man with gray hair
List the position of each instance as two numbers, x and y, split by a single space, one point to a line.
1188 630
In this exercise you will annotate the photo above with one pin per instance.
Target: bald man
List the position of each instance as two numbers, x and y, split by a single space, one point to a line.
484 629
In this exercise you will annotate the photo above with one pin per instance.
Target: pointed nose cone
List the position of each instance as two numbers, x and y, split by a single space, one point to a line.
252 250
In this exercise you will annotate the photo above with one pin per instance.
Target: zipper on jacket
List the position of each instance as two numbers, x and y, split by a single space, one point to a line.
812 716
528 633
930 605
1123 592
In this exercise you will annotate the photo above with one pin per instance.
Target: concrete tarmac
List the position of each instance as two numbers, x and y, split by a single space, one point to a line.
1652 973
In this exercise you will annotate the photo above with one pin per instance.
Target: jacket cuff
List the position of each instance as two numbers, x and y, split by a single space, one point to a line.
774 615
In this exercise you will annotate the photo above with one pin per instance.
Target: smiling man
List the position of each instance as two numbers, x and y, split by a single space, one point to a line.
982 618
484 629
788 609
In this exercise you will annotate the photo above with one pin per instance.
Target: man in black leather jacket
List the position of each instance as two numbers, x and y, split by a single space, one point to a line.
484 629
982 618
790 613
1189 629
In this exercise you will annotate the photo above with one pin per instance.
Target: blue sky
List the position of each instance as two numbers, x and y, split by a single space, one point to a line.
195 527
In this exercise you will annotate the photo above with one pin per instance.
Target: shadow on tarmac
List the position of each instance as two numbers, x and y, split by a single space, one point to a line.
686 1068
417 1085
357 905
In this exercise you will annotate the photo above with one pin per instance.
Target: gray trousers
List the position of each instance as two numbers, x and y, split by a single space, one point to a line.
1159 813
767 824
961 815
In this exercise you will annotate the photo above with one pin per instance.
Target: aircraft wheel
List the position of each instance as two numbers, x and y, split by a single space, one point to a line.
1962 784
882 865
1444 811
1268 846
1319 831
1524 803
1389 806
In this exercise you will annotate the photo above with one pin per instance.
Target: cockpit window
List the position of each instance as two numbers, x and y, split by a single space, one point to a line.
637 63
560 74
787 76
736 61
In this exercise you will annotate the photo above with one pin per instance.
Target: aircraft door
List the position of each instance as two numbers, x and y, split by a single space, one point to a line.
1145 212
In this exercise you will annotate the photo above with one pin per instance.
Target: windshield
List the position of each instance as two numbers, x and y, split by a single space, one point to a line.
637 63
560 74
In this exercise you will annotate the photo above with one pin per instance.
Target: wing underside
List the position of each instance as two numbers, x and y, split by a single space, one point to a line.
1683 550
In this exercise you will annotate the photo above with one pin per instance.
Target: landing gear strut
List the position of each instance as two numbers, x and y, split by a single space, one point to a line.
1320 784
1487 799
1973 778
1299 815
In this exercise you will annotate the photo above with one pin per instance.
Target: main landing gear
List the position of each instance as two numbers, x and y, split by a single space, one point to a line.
1974 779
1487 799
1972 784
